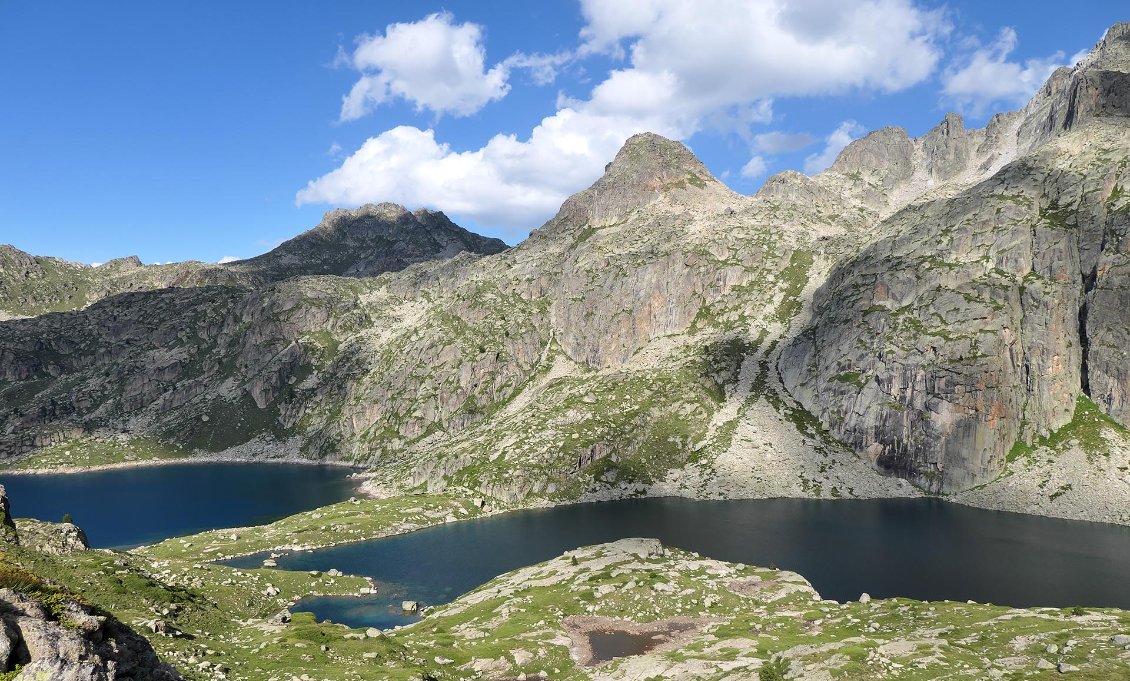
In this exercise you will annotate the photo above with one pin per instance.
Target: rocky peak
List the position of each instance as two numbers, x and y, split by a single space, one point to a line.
1112 53
946 147
647 167
649 162
365 242
887 169
128 263
366 216
368 241
888 151
1098 86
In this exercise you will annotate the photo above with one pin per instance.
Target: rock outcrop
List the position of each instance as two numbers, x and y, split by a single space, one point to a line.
51 538
8 533
70 642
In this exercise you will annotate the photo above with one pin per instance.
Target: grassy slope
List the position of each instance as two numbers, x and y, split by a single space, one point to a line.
91 452
347 521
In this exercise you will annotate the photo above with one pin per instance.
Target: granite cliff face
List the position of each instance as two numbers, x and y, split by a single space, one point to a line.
979 317
924 309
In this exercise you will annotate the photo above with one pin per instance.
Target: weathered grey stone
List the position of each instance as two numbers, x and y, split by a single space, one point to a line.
80 646
8 533
53 538
9 639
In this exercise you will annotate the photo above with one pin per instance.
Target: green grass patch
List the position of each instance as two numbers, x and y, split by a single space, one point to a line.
1089 427
90 452
851 378
794 278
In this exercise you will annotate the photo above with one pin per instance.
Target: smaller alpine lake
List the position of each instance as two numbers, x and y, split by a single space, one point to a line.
924 549
128 507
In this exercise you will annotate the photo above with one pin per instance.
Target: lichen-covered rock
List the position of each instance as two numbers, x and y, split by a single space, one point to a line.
72 643
53 538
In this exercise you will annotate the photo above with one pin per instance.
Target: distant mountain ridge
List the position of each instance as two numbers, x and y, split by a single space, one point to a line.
365 242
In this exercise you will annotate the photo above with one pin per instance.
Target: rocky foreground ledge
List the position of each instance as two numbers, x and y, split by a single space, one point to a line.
676 615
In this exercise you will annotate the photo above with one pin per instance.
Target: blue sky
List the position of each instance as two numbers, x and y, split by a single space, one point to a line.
207 130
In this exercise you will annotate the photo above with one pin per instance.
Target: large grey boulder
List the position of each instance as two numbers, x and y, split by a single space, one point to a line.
53 538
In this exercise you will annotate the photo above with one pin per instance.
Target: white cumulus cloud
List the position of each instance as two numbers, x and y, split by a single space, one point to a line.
226 259
434 63
986 77
542 67
508 183
727 51
688 66
833 145
778 142
755 167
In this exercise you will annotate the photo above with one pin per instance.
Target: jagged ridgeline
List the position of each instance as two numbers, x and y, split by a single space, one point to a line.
924 308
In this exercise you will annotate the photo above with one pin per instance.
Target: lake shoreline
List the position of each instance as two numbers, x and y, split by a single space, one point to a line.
188 459
372 494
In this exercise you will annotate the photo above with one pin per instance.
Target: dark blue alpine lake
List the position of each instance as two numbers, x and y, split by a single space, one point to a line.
126 507
919 548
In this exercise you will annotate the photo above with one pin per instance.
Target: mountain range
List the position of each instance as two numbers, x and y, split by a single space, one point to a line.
947 314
